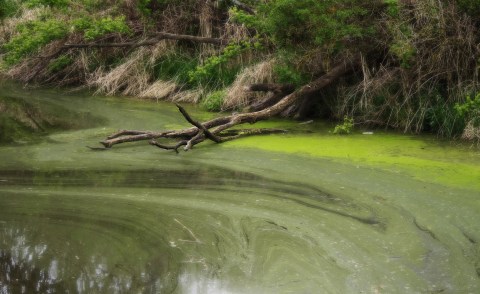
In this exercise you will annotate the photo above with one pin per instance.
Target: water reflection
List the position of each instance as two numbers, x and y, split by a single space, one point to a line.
28 265
19 272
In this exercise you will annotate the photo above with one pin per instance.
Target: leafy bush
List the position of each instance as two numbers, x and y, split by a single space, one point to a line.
8 8
32 36
392 7
345 128
215 71
51 3
176 66
470 110
444 120
404 51
60 63
93 29
312 22
286 72
451 120
214 101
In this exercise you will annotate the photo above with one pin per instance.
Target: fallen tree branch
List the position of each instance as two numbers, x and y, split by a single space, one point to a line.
271 88
200 127
154 39
243 7
217 129
157 37
279 91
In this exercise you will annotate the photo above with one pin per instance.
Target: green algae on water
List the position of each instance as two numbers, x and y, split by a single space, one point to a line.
424 158
256 215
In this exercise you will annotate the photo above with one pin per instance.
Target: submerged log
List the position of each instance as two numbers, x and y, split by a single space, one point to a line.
219 129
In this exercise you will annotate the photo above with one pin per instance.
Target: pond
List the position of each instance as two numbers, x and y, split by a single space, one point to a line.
302 212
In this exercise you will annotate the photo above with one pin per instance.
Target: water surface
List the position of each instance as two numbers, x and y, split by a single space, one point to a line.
296 213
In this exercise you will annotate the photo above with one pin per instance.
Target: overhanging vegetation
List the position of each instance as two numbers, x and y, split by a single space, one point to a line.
418 59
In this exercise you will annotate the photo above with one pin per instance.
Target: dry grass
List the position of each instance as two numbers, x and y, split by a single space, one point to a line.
188 96
471 132
160 90
205 18
129 78
133 76
237 97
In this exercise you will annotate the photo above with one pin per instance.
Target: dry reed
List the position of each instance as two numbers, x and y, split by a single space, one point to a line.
237 97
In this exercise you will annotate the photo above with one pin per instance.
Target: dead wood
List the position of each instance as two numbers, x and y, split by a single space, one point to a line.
219 129
243 7
153 40
271 88
278 91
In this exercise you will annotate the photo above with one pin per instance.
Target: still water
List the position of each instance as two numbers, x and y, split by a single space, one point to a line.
299 213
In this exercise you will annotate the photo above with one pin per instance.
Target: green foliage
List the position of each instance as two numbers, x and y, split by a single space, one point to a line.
345 128
214 101
288 73
176 66
93 29
471 7
470 110
311 22
392 7
215 71
59 63
443 119
32 36
450 120
8 8
51 3
143 7
404 51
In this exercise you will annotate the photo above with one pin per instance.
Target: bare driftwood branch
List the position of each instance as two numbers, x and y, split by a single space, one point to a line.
200 127
154 39
278 92
219 129
243 6
271 88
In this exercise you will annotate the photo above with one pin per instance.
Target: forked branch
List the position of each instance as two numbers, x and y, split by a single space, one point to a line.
220 129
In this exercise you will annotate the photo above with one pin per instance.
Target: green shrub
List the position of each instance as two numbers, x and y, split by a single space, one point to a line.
444 120
175 66
392 7
470 110
213 102
312 22
93 29
345 128
8 8
216 72
404 51
51 3
32 36
59 63
287 73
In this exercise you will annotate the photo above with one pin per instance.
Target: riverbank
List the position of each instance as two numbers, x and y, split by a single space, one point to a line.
208 54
